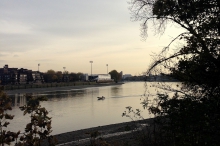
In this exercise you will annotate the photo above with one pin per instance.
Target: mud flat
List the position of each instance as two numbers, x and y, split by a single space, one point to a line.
114 134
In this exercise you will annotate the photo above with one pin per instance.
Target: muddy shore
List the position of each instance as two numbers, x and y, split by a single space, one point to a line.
114 134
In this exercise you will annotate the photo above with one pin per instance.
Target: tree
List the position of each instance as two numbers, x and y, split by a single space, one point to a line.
200 19
192 114
50 76
65 76
73 77
38 130
80 76
66 72
115 75
6 137
59 76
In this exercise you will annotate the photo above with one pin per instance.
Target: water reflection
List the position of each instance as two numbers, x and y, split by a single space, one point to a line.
18 100
78 109
116 91
64 94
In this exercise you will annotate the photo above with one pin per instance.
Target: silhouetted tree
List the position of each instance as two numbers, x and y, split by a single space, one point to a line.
115 75
80 76
73 77
59 76
191 117
50 76
38 130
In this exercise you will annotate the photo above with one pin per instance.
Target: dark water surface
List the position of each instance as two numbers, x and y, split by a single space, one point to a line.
79 108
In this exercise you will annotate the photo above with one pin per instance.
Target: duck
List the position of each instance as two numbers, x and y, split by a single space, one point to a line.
101 98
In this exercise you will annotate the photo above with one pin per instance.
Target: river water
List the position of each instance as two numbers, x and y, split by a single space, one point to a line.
79 108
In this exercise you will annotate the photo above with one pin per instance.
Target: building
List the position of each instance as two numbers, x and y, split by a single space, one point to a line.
8 75
37 77
85 77
19 76
100 78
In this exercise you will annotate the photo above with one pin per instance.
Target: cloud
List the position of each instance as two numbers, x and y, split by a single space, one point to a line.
72 32
1 55
35 24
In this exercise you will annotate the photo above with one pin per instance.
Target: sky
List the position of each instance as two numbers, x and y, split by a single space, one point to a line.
71 33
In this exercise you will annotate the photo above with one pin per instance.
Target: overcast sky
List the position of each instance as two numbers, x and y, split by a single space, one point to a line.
70 33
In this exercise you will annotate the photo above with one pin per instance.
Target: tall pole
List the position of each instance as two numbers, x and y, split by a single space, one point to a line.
64 69
107 68
91 66
38 66
64 78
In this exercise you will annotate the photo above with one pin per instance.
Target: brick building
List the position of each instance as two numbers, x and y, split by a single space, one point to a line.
19 76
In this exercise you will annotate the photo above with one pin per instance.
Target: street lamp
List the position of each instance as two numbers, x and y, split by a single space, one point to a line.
64 68
64 77
107 68
38 66
91 66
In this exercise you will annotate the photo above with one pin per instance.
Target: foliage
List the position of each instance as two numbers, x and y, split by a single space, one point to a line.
6 137
50 76
93 136
59 76
39 128
200 20
76 76
65 72
36 131
80 76
134 115
192 117
187 120
115 75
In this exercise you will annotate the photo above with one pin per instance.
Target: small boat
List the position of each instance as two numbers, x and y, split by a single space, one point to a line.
101 98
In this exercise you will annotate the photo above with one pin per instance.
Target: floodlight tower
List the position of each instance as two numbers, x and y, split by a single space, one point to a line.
38 66
91 66
107 68
64 68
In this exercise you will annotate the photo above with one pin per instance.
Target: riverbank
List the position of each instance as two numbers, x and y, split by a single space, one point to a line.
57 88
115 134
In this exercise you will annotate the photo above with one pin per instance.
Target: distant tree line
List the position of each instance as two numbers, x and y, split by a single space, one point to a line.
25 76
58 76
152 78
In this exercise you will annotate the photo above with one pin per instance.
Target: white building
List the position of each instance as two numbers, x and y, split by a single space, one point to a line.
101 78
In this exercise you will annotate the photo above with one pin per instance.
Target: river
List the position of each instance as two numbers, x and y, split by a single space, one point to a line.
77 109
